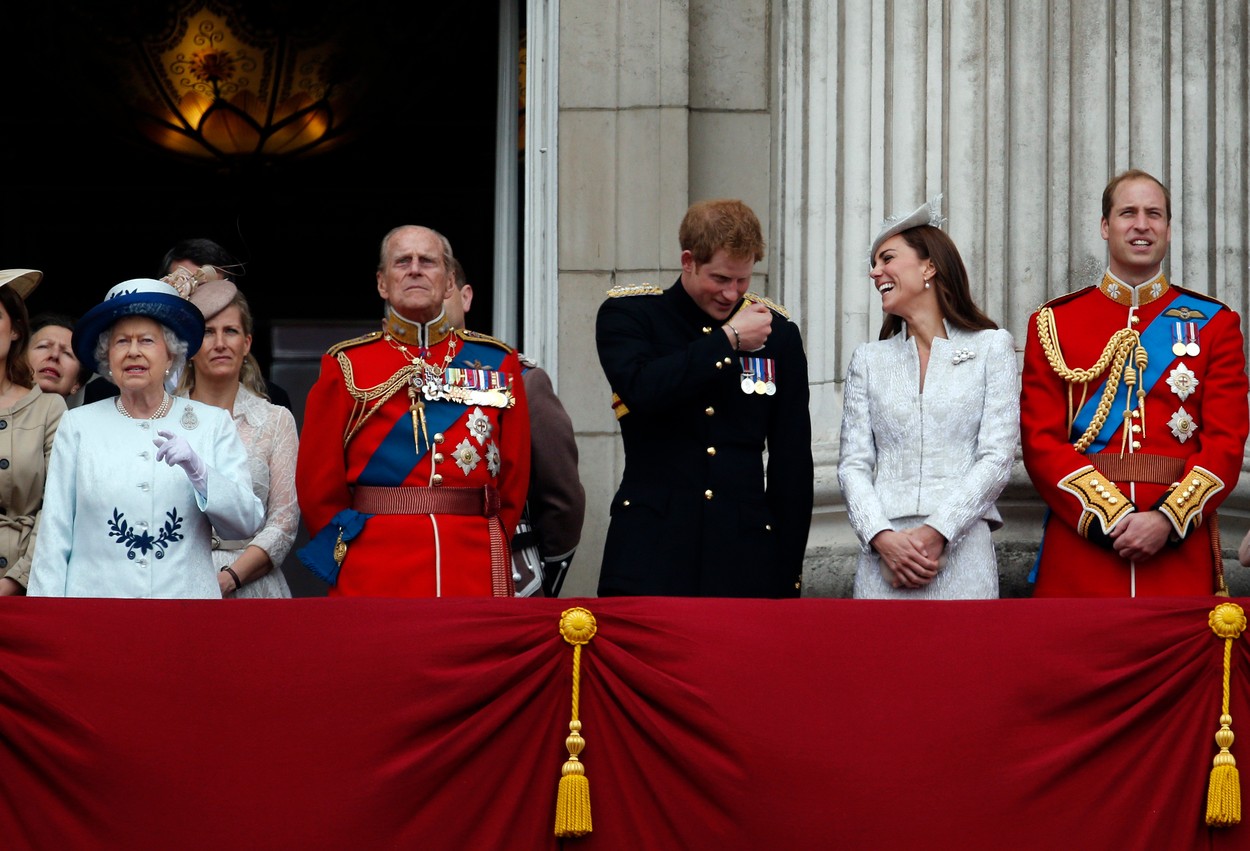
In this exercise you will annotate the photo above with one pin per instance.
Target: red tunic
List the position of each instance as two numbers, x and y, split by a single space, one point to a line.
464 446
1182 452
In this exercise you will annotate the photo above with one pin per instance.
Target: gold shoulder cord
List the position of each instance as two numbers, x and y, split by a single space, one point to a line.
378 394
1124 342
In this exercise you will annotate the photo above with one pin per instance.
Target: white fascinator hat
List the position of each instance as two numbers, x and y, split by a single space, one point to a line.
928 213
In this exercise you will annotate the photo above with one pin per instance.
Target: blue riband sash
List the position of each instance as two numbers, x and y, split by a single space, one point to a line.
1156 338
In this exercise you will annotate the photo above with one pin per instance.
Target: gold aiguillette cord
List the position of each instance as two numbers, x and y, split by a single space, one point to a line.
419 431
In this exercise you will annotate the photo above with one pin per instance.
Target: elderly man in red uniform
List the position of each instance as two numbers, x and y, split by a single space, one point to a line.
412 471
1133 417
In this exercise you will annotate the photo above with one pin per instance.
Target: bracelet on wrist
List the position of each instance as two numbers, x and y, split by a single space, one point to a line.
737 339
237 582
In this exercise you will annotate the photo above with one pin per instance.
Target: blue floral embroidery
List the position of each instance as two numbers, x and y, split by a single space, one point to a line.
129 537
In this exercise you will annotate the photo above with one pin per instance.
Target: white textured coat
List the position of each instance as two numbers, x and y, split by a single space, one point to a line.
118 523
940 457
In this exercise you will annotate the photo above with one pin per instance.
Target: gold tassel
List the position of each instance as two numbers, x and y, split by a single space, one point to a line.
1227 621
577 626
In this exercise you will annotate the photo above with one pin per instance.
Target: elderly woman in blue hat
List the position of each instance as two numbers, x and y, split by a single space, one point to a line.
137 483
930 423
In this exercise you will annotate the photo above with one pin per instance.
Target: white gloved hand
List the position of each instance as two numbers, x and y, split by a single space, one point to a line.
173 449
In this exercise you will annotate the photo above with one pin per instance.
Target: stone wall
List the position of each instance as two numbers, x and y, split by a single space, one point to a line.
827 115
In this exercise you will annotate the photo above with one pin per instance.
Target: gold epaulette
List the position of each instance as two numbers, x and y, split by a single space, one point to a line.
622 290
756 298
355 341
486 339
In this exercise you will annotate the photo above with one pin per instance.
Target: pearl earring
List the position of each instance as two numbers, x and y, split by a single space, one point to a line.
927 284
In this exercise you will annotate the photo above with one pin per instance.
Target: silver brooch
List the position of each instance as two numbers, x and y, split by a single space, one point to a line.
962 355
189 419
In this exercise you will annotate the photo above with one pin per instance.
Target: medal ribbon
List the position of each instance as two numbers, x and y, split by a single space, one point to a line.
396 456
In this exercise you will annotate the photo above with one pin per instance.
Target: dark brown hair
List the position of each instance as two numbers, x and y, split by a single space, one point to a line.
950 282
18 367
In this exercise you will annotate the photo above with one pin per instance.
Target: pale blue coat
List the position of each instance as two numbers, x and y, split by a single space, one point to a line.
118 523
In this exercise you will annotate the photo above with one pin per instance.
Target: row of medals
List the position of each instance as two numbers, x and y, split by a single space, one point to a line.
751 384
434 389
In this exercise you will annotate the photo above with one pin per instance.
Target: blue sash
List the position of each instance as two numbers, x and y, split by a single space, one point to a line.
1157 337
394 458
397 455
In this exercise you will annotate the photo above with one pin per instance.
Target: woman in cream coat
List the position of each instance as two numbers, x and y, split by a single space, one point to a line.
28 423
930 424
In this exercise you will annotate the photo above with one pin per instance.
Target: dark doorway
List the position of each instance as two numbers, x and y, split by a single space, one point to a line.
91 203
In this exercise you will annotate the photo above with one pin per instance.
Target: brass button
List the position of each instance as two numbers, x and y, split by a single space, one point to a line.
720 365
709 410
436 479
707 329
625 503
728 361
768 527
711 450
1134 319
438 438
1136 428
438 457
1137 444
707 494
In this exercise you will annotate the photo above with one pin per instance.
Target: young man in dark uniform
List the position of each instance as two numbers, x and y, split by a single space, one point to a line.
706 377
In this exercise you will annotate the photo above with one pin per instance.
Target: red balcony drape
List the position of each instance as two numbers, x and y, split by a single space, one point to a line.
710 724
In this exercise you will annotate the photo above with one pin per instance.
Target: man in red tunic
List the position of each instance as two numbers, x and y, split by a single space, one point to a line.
1133 417
412 472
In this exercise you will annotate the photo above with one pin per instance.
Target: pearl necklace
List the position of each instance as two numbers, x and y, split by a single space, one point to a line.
161 410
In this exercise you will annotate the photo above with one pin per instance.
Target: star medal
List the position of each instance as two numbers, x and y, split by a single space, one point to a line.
1178 339
748 375
1191 339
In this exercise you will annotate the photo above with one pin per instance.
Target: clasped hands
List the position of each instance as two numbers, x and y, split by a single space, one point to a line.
1140 535
912 556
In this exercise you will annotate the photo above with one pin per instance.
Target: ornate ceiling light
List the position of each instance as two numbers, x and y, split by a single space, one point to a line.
218 84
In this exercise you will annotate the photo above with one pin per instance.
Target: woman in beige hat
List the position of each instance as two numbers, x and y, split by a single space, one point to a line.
28 421
225 373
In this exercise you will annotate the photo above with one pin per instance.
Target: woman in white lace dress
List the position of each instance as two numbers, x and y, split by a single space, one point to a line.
225 373
930 424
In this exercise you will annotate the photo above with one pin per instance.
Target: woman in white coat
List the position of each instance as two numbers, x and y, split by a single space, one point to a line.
137 483
930 424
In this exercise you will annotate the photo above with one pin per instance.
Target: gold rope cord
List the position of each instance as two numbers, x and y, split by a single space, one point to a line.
377 394
1116 353
1227 621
